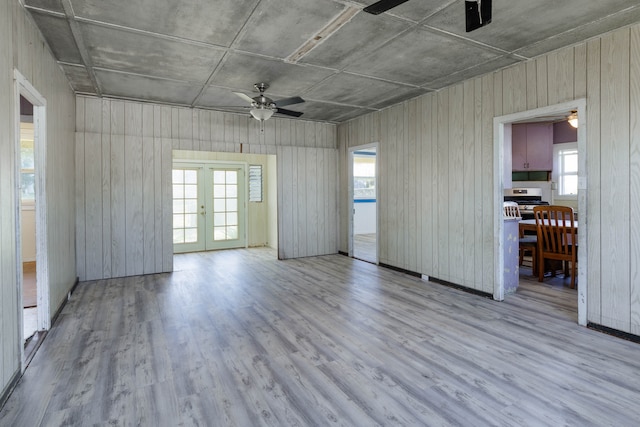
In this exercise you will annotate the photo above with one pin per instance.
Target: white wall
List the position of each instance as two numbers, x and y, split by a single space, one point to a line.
28 233
22 48
123 185
436 170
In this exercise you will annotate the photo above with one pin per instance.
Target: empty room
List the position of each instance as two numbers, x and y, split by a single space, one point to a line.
188 188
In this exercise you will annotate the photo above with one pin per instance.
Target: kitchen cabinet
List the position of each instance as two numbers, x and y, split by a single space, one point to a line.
532 147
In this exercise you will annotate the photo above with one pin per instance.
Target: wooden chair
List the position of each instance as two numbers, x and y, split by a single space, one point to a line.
527 244
557 239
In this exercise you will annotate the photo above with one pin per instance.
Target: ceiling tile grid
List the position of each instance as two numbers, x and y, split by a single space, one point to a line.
344 62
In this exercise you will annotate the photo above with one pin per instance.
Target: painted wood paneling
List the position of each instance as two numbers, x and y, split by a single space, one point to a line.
127 200
301 231
22 48
634 178
614 158
454 177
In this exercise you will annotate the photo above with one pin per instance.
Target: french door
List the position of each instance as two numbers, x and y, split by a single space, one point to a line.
208 206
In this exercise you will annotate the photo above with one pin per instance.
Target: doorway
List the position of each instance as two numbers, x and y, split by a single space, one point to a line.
503 179
363 236
28 220
209 206
31 219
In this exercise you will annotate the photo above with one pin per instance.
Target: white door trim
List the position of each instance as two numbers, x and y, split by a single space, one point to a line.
23 87
499 125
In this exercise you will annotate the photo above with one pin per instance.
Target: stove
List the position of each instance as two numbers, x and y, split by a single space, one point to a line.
526 198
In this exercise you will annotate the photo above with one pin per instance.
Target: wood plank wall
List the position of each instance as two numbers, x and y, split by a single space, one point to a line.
123 185
22 47
437 216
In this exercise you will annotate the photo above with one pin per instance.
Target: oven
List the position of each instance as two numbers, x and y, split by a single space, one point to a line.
526 198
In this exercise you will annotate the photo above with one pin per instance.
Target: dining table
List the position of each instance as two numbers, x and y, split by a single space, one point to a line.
530 224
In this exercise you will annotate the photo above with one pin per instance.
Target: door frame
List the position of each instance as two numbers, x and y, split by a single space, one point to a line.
350 191
502 147
25 88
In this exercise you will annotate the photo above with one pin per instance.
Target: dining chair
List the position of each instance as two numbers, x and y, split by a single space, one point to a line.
556 238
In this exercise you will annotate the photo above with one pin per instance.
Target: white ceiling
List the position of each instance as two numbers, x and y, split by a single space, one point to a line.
196 53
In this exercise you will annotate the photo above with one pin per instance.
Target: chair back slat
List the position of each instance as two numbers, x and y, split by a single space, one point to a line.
556 228
511 210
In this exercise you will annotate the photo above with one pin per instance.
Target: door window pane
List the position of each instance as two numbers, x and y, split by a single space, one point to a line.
225 203
185 205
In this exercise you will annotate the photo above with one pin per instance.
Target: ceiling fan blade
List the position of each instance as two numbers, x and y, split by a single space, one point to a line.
289 101
476 14
244 96
382 6
288 112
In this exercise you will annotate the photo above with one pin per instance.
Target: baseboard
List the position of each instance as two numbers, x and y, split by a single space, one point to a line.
461 288
343 253
9 388
401 270
614 332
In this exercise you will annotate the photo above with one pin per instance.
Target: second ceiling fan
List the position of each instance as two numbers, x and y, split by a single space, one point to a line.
477 12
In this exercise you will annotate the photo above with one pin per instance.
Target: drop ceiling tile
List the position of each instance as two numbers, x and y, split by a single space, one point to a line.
59 37
149 55
359 37
518 24
79 78
217 22
216 97
478 70
420 56
279 27
583 33
350 89
242 71
322 111
52 5
131 86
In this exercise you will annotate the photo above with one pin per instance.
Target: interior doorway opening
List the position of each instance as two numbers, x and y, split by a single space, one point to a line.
28 220
223 201
363 236
504 179
31 218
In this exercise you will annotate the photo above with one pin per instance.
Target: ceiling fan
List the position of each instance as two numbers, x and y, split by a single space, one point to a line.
263 107
477 12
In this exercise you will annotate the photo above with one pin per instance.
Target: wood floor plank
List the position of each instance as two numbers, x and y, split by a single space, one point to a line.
238 338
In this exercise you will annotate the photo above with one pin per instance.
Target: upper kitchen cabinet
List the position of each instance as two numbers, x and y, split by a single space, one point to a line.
532 147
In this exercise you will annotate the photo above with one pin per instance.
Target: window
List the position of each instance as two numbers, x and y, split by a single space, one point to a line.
255 183
364 176
566 170
27 163
185 205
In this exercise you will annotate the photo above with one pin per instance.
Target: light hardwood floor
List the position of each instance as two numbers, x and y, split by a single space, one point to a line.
237 338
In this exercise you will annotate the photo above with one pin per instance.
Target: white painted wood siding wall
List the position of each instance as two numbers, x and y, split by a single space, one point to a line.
436 170
123 186
21 47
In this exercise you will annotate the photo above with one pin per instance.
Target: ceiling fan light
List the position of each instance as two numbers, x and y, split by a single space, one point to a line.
261 114
573 119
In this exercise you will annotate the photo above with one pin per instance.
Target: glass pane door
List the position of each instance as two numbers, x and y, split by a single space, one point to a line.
226 229
188 209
